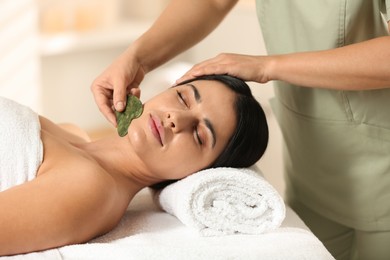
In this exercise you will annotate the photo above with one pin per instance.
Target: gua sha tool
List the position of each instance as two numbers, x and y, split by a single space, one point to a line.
133 110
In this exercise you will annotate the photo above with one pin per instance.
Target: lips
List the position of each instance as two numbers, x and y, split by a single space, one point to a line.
156 128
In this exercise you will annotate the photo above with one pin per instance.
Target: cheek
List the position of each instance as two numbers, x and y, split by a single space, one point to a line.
136 136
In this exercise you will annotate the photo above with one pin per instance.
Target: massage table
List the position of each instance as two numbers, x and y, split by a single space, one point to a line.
147 232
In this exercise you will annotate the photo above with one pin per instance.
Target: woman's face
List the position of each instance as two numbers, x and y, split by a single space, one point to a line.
184 129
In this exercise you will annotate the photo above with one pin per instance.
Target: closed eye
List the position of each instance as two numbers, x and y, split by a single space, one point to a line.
181 98
183 101
198 136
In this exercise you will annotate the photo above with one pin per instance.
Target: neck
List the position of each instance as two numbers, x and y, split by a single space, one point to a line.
117 157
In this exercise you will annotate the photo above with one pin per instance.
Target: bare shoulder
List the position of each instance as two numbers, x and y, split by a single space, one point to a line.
88 193
67 131
75 130
62 209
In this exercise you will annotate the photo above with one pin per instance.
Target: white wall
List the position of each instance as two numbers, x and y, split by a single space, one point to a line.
19 56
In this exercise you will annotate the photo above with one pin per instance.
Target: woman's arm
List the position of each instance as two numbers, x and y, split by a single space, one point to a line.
359 66
55 210
181 25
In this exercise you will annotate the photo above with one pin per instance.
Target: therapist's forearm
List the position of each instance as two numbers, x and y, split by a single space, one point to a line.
181 25
364 65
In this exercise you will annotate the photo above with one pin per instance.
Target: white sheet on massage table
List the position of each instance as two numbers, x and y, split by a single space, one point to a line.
145 232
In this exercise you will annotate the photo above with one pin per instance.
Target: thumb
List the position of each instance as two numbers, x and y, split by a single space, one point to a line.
119 96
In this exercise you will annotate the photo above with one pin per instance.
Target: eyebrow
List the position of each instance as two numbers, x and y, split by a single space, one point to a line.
196 93
207 122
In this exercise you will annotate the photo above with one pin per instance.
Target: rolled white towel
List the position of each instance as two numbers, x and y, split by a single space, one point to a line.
222 201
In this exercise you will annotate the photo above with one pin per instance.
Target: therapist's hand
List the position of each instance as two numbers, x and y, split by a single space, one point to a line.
245 67
111 87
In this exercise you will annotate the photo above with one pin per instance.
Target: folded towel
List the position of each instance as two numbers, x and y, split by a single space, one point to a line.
21 149
221 201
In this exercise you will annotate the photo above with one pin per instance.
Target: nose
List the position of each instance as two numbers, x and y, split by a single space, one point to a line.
180 121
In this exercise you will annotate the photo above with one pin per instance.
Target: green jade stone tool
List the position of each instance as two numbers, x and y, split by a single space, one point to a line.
133 110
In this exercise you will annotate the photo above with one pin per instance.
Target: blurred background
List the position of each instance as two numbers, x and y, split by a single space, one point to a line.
52 50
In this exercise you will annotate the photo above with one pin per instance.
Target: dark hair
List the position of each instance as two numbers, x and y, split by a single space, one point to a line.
250 138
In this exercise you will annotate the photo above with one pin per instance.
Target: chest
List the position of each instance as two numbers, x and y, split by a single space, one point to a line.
61 156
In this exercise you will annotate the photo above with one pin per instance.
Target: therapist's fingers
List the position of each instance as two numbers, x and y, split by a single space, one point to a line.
211 69
245 67
136 92
119 95
121 89
206 69
103 99
216 65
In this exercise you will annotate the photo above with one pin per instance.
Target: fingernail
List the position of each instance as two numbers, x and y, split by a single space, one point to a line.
120 106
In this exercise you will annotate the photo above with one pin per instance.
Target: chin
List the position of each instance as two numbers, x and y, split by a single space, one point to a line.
137 139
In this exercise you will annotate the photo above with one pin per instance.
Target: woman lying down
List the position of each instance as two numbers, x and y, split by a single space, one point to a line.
80 189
